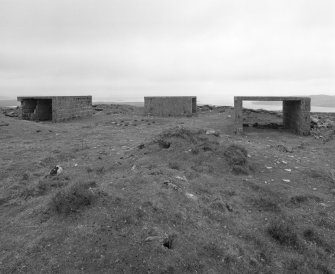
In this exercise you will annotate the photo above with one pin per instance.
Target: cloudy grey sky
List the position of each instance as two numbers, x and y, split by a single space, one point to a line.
132 48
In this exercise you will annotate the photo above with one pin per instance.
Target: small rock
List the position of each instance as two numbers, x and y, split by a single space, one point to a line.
181 178
284 148
286 180
212 132
229 207
152 238
288 169
191 196
56 170
269 167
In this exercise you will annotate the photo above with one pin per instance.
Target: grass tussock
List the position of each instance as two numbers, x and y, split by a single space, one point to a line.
320 174
311 235
302 199
182 133
237 158
284 233
72 198
266 204
42 187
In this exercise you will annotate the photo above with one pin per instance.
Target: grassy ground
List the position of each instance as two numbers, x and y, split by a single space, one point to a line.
158 195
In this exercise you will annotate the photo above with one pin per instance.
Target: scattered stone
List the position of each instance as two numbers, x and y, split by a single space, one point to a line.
181 178
152 238
286 180
229 207
56 170
141 146
191 196
284 148
171 185
269 167
284 162
288 169
212 132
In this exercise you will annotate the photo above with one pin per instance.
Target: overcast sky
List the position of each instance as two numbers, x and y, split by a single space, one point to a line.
134 48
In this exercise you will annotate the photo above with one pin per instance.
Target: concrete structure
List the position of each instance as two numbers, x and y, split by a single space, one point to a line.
296 112
170 106
55 108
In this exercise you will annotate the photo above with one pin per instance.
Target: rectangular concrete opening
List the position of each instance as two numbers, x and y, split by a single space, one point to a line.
37 109
296 112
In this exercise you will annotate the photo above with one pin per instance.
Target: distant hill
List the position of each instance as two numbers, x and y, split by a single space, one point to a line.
317 101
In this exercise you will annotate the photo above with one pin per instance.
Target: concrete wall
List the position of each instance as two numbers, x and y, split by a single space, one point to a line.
296 116
170 106
70 107
296 112
55 108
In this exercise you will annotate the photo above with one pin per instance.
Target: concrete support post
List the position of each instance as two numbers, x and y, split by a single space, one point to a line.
304 118
238 107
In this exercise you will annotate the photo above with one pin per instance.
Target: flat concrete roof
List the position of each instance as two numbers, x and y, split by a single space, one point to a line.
271 98
49 97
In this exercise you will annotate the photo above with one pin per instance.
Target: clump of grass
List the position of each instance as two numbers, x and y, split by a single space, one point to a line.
35 190
266 204
320 174
284 233
312 236
237 158
174 165
300 199
189 135
73 198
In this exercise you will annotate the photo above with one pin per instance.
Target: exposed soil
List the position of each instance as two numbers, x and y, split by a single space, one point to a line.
139 194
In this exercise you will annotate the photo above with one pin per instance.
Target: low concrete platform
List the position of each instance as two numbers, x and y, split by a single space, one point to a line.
296 112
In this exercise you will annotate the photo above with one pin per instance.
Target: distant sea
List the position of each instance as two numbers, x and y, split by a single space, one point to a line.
252 105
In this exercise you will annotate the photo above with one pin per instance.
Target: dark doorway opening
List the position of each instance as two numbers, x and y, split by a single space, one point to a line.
37 109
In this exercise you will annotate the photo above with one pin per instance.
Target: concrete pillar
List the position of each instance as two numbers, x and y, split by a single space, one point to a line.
304 118
238 107
296 115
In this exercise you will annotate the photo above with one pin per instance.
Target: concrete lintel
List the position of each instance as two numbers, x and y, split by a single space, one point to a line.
271 98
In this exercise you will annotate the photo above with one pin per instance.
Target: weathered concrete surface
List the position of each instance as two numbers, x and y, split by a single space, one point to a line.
170 106
55 108
296 112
